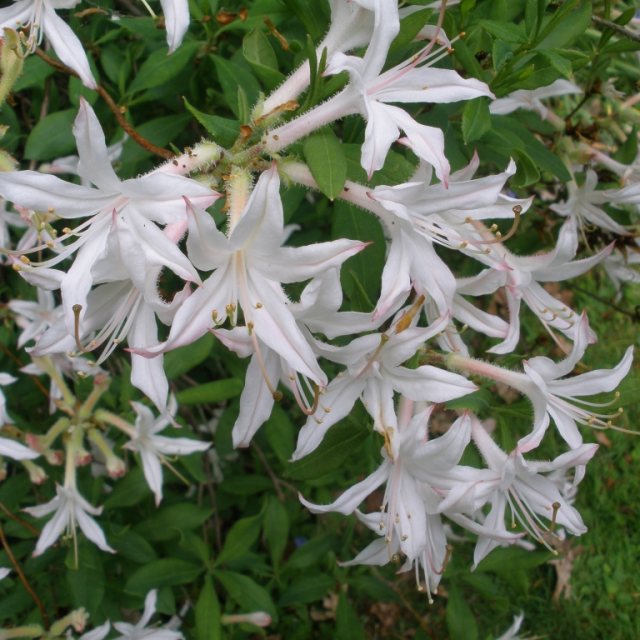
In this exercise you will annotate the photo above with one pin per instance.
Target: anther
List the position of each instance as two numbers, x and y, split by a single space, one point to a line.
556 507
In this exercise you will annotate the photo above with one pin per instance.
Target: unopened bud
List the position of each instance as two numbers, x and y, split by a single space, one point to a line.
258 618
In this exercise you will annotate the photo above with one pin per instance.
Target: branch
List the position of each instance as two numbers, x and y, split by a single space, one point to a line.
23 579
115 109
620 30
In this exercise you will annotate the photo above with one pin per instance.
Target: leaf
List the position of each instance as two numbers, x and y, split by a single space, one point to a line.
507 32
166 572
276 529
232 75
223 130
86 578
168 521
569 22
337 445
476 120
504 560
305 590
182 360
259 54
240 537
527 172
360 275
34 73
280 433
208 616
308 553
461 622
129 491
159 68
325 157
211 392
348 624
132 546
52 137
246 593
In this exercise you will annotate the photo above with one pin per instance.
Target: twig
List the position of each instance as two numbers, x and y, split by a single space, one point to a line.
115 109
617 28
23 579
277 482
27 525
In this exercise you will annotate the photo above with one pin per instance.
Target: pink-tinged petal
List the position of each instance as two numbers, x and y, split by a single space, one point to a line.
426 142
99 633
479 320
566 426
41 192
431 276
396 283
94 164
599 381
275 325
335 404
429 84
15 450
147 374
66 45
493 455
206 246
483 283
430 384
256 401
348 502
381 132
176 18
513 335
295 264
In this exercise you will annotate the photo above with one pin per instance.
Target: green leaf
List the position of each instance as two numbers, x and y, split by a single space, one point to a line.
527 172
208 616
223 130
276 529
52 137
305 590
129 491
476 120
280 433
260 55
239 539
338 444
307 554
558 62
503 560
507 32
348 624
166 572
232 75
570 21
159 68
325 157
246 593
211 392
86 579
168 521
34 73
360 275
132 546
182 360
461 622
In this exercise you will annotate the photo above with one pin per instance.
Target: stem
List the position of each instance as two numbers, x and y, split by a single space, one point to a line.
339 106
23 578
115 421
114 108
513 379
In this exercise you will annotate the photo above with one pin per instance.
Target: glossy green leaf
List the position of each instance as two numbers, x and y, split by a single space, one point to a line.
166 572
247 593
168 521
324 154
208 617
305 590
239 539
276 529
52 137
211 392
159 68
260 55
476 120
461 622
223 130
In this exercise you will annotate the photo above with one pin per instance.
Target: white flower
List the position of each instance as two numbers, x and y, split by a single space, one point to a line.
531 99
41 17
4 572
140 631
176 19
69 508
153 448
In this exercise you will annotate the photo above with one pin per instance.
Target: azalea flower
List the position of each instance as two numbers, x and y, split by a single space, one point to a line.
374 373
518 485
4 572
69 509
585 204
153 447
249 266
531 99
135 205
521 276
41 19
140 631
